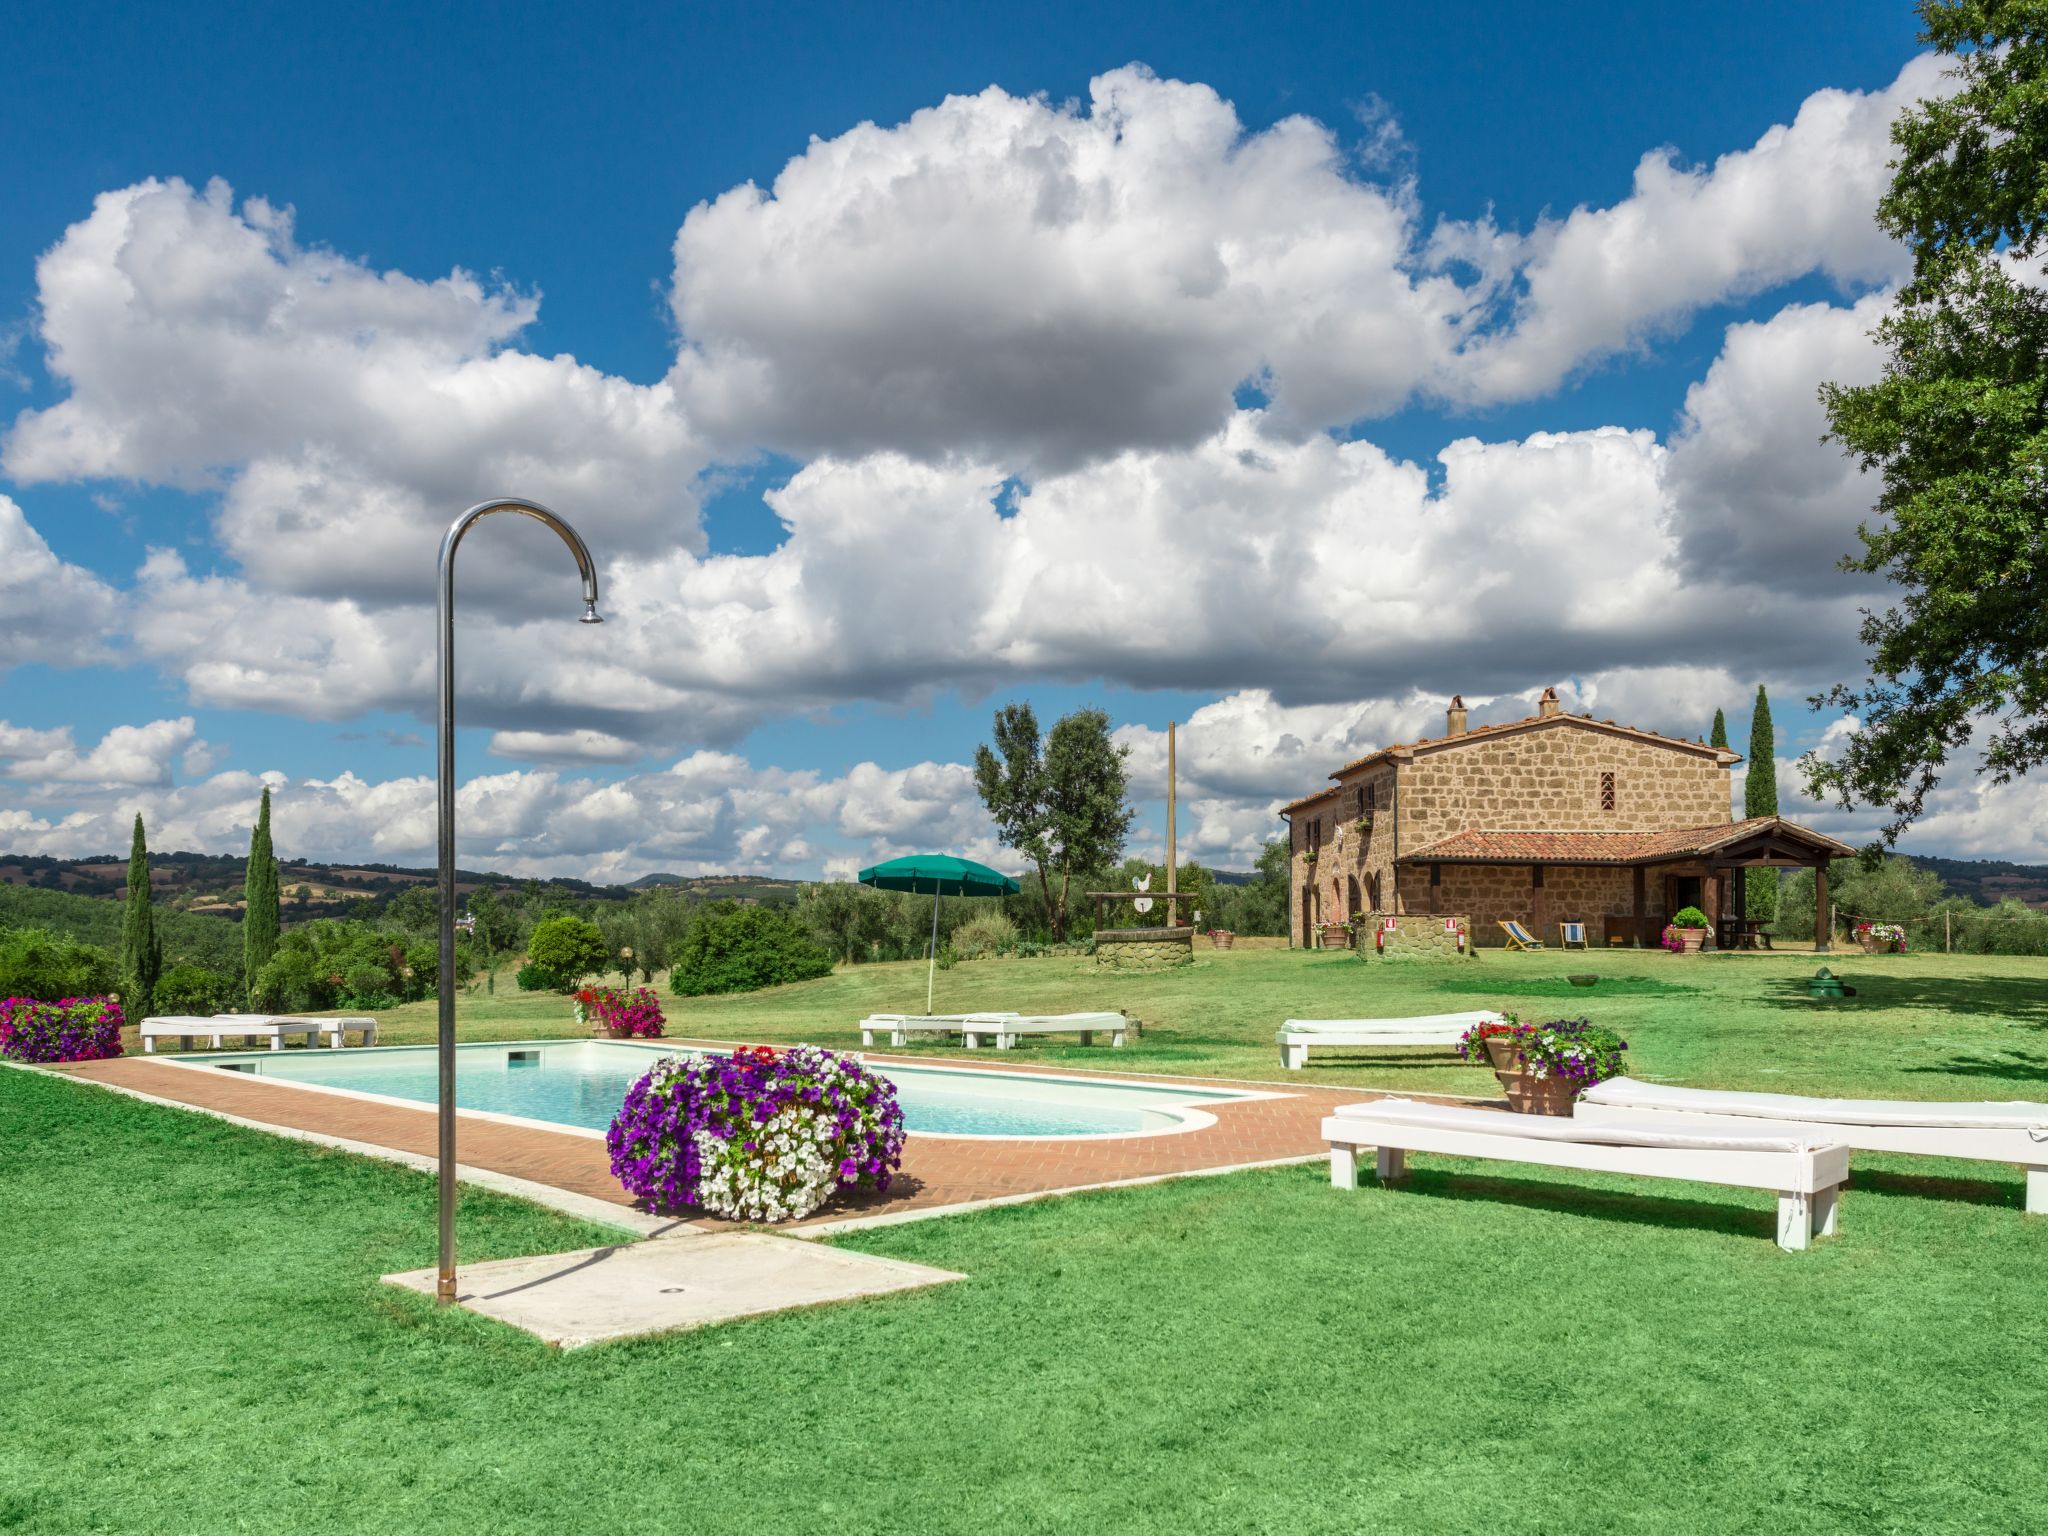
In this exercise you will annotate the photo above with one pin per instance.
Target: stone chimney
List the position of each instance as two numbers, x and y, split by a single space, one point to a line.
1454 717
1548 705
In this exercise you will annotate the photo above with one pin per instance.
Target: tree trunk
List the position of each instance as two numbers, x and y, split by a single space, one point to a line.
1060 928
1052 917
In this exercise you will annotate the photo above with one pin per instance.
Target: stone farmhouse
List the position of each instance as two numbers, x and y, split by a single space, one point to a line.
1550 819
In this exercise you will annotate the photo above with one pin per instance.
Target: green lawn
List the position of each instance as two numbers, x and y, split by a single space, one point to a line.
196 1338
1922 1026
196 1341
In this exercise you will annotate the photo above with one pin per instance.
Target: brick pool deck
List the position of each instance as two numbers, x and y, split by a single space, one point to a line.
939 1173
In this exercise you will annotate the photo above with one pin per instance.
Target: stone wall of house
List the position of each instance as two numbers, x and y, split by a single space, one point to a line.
1354 870
1547 778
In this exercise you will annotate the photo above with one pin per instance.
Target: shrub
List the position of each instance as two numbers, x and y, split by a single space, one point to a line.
292 980
195 991
71 1029
36 963
1690 917
565 950
1577 1050
741 949
758 1135
636 1014
986 934
531 978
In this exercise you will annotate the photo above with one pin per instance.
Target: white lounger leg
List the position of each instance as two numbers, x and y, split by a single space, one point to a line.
2037 1191
1294 1057
867 1036
1116 1040
277 1041
1795 1219
1343 1167
148 1044
1827 1204
1087 1037
1391 1163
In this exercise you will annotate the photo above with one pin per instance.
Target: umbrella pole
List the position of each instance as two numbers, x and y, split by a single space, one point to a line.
931 970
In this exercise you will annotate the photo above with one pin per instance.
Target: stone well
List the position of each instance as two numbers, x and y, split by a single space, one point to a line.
1143 949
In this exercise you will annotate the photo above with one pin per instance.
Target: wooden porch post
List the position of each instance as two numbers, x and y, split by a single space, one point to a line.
1642 907
1823 919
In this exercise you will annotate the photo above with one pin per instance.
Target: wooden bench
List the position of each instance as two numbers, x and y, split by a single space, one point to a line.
1009 1029
1297 1036
222 1026
2014 1132
1804 1171
899 1027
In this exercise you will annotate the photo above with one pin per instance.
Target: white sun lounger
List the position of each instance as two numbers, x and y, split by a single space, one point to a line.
222 1026
1804 1169
1009 1029
1297 1035
899 1027
2011 1132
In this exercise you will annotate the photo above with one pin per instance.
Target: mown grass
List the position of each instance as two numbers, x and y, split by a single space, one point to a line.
196 1340
1922 1026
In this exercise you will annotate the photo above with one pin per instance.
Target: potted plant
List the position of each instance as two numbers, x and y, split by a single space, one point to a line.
1333 935
1545 1067
1881 938
1222 938
1688 931
634 1015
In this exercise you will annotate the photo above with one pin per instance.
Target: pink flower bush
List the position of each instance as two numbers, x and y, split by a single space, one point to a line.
74 1029
636 1014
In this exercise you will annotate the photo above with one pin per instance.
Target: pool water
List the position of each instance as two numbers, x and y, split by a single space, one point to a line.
583 1082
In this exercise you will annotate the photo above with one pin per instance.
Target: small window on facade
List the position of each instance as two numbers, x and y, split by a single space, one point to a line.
1371 796
1606 791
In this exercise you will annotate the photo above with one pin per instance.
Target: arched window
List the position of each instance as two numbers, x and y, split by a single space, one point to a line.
1354 907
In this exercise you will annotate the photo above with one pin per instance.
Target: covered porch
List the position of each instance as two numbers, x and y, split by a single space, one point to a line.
1624 885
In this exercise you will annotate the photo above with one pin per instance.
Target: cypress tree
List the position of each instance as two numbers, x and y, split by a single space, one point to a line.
1760 798
142 953
1720 736
260 919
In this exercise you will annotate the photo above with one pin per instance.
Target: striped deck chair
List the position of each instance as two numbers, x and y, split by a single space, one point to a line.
1520 937
1572 936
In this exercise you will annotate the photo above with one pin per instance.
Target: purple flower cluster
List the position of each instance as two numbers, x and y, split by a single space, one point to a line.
696 1125
1579 1051
74 1029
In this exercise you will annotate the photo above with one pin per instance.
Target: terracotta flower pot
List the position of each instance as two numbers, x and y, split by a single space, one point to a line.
1223 938
1692 939
1502 1054
1537 1095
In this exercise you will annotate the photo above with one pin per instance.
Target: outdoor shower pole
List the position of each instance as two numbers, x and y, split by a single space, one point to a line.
444 783
931 970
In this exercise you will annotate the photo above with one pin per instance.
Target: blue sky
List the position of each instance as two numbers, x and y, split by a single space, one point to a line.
554 152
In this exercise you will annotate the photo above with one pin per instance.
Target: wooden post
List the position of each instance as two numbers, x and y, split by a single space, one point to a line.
1172 842
1823 920
1642 908
1945 948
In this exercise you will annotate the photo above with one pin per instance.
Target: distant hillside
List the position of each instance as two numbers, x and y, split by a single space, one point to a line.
210 884
213 942
1990 881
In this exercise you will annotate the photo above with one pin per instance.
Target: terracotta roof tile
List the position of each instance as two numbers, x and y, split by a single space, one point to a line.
1482 847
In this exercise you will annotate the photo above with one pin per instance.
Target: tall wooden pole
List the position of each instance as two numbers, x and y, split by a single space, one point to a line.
1172 843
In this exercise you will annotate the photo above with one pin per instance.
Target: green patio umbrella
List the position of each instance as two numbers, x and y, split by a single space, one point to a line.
942 875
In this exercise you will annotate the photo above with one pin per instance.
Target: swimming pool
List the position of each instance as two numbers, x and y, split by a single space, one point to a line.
579 1085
